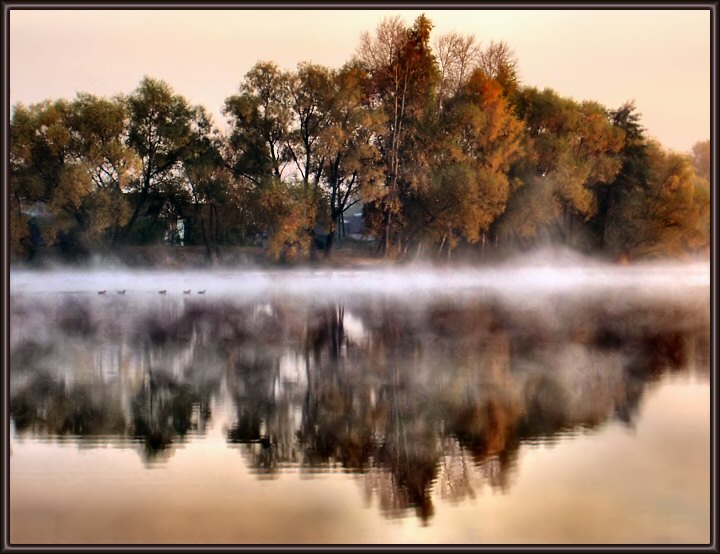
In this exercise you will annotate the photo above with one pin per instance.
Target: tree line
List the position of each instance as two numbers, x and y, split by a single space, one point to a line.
437 139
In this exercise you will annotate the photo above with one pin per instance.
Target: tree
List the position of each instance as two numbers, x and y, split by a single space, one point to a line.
576 148
346 144
284 213
98 127
405 75
210 184
163 129
260 118
633 172
457 58
38 146
69 161
498 62
311 92
667 214
470 183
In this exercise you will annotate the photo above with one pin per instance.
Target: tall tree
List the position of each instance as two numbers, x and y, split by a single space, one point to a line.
353 172
39 141
497 60
405 76
576 148
311 97
470 184
457 56
260 118
633 172
162 130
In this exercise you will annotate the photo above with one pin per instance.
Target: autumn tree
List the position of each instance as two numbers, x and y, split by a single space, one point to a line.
275 122
38 145
311 97
633 172
284 212
470 185
667 214
573 151
353 172
405 75
98 128
210 182
497 60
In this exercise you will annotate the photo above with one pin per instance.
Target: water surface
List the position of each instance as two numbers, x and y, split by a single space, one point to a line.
538 403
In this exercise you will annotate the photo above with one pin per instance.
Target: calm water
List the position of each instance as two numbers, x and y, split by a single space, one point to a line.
533 404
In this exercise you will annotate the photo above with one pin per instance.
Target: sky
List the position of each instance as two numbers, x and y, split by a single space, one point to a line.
658 58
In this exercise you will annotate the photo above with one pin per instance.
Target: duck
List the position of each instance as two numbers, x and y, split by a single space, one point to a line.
162 291
201 292
121 291
102 291
186 291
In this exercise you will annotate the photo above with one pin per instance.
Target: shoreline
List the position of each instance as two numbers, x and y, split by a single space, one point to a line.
193 258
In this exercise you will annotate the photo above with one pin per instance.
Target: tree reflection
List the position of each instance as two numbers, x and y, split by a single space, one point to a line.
421 401
162 412
48 405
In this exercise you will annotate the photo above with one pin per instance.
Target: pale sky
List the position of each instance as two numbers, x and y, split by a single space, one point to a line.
659 58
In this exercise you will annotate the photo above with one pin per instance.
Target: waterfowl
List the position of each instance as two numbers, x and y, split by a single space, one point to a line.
201 292
102 291
186 291
121 291
162 291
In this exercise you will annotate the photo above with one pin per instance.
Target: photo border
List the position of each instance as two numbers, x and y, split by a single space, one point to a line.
8 6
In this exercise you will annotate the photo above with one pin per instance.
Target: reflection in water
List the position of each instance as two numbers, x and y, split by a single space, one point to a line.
416 399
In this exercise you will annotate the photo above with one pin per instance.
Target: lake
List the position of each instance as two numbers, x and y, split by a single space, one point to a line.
527 403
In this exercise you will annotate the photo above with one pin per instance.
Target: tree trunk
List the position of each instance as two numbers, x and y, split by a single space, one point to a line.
442 244
136 212
387 234
206 229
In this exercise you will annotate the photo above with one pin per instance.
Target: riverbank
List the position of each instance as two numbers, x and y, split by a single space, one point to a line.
196 257
356 255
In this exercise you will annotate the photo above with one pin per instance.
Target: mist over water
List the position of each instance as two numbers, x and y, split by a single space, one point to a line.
419 387
519 279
